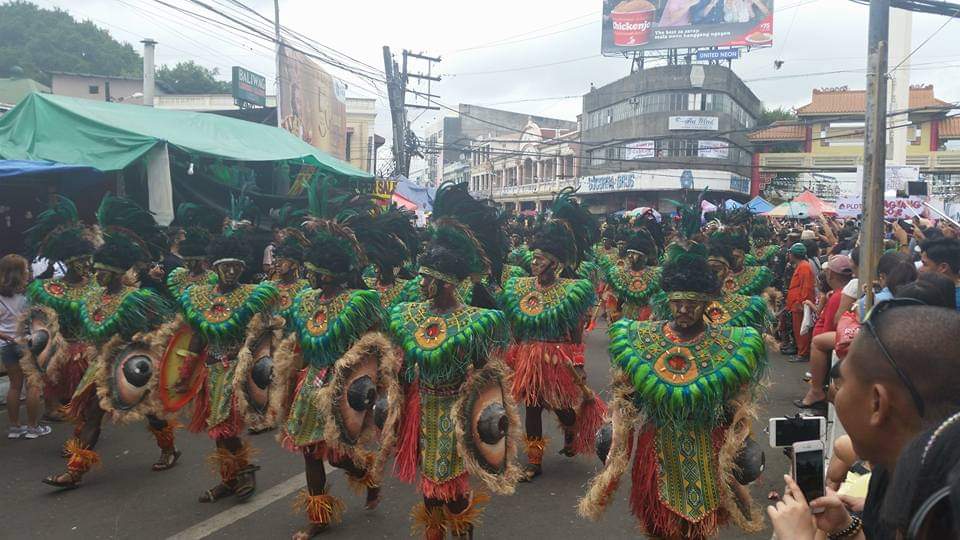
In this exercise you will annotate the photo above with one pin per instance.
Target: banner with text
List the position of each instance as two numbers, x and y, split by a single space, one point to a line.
899 208
640 150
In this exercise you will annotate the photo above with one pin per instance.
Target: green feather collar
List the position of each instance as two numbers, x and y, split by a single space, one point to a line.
223 319
686 384
547 314
326 329
634 288
752 280
179 279
444 345
132 310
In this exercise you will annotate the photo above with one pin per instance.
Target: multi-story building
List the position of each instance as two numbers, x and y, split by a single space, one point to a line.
664 133
523 171
826 140
450 139
362 143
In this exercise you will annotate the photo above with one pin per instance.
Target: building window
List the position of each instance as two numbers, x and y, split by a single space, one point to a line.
93 89
349 140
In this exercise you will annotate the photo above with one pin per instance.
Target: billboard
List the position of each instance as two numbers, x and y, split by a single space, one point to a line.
313 103
636 25
249 88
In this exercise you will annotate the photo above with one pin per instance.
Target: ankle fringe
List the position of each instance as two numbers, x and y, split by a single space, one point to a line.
323 509
535 449
228 464
165 437
462 523
427 522
81 459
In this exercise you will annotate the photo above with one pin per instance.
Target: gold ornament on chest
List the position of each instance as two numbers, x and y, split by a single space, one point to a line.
219 310
532 303
431 333
317 323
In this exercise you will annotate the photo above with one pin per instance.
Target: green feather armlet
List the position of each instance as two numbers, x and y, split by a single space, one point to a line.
223 319
131 311
522 257
685 384
749 282
326 330
635 289
442 346
548 314
179 279
739 310
589 270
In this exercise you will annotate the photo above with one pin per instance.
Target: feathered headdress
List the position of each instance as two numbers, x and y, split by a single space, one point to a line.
120 216
570 232
641 240
58 234
333 250
388 237
486 223
453 253
293 245
243 213
199 224
685 266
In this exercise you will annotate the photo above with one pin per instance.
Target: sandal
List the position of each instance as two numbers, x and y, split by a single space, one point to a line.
246 482
167 460
216 493
373 498
313 530
67 480
530 472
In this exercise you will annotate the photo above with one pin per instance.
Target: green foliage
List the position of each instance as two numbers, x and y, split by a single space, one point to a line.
43 40
191 78
769 116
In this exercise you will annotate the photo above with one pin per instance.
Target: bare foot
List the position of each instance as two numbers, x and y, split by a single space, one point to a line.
311 531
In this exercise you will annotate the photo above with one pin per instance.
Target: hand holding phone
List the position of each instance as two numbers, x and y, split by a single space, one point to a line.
809 469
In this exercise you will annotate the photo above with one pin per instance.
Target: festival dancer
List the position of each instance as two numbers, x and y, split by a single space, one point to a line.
334 329
742 279
389 241
55 354
130 327
231 324
288 259
634 284
547 313
196 225
764 249
455 375
684 405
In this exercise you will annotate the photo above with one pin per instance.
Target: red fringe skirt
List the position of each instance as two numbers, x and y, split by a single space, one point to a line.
543 373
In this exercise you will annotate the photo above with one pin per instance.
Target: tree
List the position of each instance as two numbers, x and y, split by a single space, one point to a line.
192 78
769 116
45 40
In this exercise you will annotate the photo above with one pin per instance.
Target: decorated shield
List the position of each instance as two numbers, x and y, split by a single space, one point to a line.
487 427
132 375
41 338
256 383
180 378
355 392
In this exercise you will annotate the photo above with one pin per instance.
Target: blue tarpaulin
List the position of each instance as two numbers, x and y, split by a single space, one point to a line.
15 168
759 205
422 196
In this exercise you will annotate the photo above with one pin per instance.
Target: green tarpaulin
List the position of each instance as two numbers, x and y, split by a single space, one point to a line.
111 136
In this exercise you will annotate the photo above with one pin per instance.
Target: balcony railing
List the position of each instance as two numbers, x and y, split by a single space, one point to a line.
947 160
545 187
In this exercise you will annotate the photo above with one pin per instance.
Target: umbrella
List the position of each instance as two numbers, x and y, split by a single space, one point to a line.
759 205
816 205
731 204
791 209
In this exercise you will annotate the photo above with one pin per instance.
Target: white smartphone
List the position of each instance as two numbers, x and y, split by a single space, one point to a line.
809 469
784 431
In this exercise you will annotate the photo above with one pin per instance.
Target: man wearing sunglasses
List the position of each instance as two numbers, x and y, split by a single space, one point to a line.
900 376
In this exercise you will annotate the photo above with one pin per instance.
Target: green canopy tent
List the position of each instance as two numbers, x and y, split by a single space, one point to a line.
112 137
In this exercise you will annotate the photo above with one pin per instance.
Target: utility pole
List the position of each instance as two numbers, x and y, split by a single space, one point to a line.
874 144
397 93
276 28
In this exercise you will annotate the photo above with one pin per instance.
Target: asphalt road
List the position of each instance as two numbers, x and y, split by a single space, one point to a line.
125 499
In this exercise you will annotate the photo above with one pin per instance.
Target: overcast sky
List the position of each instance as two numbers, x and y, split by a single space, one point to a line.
810 36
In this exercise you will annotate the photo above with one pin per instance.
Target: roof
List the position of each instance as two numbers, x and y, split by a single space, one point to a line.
13 90
844 101
950 128
96 76
782 130
111 136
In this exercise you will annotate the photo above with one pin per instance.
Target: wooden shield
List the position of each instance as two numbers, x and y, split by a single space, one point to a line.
133 373
356 389
40 338
175 393
485 419
256 379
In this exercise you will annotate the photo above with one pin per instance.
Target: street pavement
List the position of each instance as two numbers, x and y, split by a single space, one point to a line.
124 499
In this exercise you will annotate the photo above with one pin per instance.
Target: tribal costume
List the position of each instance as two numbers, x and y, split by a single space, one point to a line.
342 364
235 336
130 328
745 280
634 284
51 333
547 314
193 249
389 241
683 406
458 420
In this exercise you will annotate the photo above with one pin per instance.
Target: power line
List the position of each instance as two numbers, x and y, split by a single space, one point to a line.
924 42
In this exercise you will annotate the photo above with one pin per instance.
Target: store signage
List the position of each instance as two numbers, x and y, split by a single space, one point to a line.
249 88
640 150
694 123
719 54
664 179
